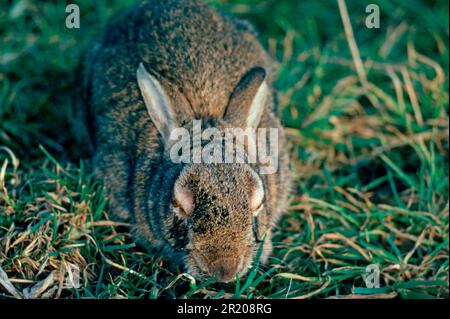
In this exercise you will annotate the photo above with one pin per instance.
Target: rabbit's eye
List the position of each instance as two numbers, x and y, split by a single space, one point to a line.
258 210
257 230
183 199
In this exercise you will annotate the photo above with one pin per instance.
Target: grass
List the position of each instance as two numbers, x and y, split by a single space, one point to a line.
370 130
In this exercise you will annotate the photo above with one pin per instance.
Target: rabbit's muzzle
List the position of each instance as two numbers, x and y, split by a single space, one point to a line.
226 269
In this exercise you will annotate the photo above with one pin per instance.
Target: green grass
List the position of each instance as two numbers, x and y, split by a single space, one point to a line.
371 154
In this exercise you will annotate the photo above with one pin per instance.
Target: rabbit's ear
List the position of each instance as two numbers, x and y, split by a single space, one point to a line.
156 101
248 99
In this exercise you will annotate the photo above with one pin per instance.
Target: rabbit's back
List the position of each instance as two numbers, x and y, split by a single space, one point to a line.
197 54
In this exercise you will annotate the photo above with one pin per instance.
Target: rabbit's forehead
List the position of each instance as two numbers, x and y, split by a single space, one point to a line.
219 192
216 212
219 205
233 225
233 176
221 195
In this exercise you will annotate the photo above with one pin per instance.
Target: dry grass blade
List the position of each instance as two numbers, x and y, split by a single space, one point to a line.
6 283
38 289
390 295
352 43
315 292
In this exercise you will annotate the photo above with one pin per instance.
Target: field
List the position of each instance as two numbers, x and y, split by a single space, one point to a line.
366 110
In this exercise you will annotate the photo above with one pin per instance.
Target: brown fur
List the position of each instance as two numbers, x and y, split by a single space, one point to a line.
199 56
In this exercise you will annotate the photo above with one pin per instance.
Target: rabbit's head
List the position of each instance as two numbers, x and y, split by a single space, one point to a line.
220 205
219 208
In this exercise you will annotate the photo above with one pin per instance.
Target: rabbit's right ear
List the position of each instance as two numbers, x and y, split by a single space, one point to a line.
158 105
248 99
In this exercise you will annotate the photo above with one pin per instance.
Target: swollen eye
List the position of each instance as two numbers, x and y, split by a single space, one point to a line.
184 200
256 196
256 212
256 226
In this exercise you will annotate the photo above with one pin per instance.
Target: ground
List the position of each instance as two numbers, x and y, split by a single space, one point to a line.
366 111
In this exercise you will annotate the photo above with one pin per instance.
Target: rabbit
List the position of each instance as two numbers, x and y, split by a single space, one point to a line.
159 66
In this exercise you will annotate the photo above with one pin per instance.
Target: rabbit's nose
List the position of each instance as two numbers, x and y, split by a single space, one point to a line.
225 269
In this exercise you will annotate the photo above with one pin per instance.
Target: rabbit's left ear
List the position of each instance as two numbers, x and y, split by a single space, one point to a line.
158 105
248 100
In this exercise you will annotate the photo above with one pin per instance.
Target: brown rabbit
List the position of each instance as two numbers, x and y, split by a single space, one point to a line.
158 67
